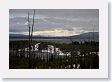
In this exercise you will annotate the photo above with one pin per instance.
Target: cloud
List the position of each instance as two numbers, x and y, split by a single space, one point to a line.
54 22
86 13
57 32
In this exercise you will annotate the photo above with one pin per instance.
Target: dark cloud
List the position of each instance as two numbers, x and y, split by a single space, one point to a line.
59 12
45 19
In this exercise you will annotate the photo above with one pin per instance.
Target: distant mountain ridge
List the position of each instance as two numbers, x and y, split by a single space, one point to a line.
89 35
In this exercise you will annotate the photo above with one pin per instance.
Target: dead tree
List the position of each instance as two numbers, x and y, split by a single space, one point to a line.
32 28
29 32
30 59
93 34
30 40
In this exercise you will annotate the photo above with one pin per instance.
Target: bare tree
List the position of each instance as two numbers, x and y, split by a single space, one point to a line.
93 34
29 33
32 27
30 39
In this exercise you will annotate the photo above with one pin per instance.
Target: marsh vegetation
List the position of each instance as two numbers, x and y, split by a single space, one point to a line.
50 55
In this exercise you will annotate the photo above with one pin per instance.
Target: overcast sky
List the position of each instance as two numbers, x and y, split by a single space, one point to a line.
54 22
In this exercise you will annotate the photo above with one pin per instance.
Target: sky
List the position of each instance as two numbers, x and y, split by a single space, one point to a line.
54 22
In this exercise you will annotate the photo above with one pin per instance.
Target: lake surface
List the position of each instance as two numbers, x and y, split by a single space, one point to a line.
55 40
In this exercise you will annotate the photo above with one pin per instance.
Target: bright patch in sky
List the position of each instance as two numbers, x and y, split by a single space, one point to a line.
54 22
